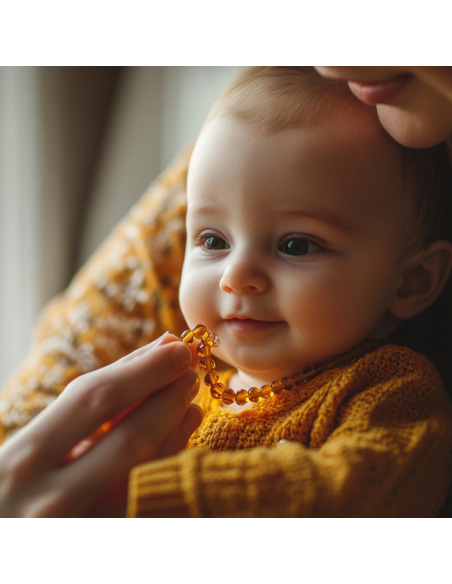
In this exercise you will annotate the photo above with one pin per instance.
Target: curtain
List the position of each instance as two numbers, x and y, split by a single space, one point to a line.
78 147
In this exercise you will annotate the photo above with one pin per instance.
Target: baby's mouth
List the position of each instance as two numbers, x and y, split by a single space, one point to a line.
250 325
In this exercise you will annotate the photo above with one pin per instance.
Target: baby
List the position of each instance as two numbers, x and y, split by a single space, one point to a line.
300 228
308 231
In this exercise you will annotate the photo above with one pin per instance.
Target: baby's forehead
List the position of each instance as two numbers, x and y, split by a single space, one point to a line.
340 168
342 148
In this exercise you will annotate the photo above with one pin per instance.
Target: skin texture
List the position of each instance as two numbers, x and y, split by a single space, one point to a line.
417 116
83 474
336 185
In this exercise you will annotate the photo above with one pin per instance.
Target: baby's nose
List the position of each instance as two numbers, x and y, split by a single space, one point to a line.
244 276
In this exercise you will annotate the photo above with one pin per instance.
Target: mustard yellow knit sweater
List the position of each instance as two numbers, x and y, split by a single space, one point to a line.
370 439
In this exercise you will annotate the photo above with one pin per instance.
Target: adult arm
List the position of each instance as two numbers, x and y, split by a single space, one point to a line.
60 464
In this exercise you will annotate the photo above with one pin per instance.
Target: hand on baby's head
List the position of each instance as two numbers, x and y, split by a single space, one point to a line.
299 231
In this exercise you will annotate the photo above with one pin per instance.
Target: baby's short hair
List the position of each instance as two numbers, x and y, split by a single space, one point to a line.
272 99
269 98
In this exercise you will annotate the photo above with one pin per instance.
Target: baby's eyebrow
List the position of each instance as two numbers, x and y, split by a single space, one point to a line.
204 210
323 215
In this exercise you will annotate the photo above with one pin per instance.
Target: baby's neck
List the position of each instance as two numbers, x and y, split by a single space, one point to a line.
242 381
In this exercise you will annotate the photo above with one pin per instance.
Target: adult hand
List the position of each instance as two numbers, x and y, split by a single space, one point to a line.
60 464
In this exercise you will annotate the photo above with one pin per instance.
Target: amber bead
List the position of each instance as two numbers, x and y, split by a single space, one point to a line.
255 394
298 378
187 337
211 378
207 364
242 397
228 396
288 383
210 339
199 330
277 387
309 373
216 391
267 391
204 350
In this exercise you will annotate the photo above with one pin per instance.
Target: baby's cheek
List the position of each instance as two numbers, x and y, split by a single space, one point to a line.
188 297
194 295
322 315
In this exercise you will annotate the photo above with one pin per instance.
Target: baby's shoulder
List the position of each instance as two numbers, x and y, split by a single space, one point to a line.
396 377
391 361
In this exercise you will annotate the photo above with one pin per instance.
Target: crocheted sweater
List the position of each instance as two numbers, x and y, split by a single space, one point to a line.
370 439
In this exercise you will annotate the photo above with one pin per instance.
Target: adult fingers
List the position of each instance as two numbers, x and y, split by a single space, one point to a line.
114 502
135 440
178 438
94 398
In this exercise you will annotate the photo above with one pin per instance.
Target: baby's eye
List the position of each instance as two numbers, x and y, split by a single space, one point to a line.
214 242
297 247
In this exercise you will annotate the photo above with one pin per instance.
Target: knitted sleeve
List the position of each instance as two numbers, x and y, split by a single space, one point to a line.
387 456
124 297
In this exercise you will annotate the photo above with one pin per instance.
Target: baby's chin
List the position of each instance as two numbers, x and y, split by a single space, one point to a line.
257 370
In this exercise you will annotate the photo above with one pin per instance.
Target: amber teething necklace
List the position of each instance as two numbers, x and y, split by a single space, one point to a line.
209 340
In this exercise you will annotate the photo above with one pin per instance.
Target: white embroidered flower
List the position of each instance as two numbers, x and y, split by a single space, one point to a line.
109 344
81 356
148 327
131 231
111 290
80 318
121 326
86 360
142 297
132 262
32 383
75 290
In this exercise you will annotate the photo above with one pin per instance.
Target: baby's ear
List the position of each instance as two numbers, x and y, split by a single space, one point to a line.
425 276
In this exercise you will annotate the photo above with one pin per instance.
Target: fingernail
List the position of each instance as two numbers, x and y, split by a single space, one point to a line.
142 350
192 381
181 356
158 341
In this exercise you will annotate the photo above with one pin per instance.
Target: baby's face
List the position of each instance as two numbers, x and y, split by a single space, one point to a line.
292 251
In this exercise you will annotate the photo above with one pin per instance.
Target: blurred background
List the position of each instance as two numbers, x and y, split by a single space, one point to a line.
78 147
